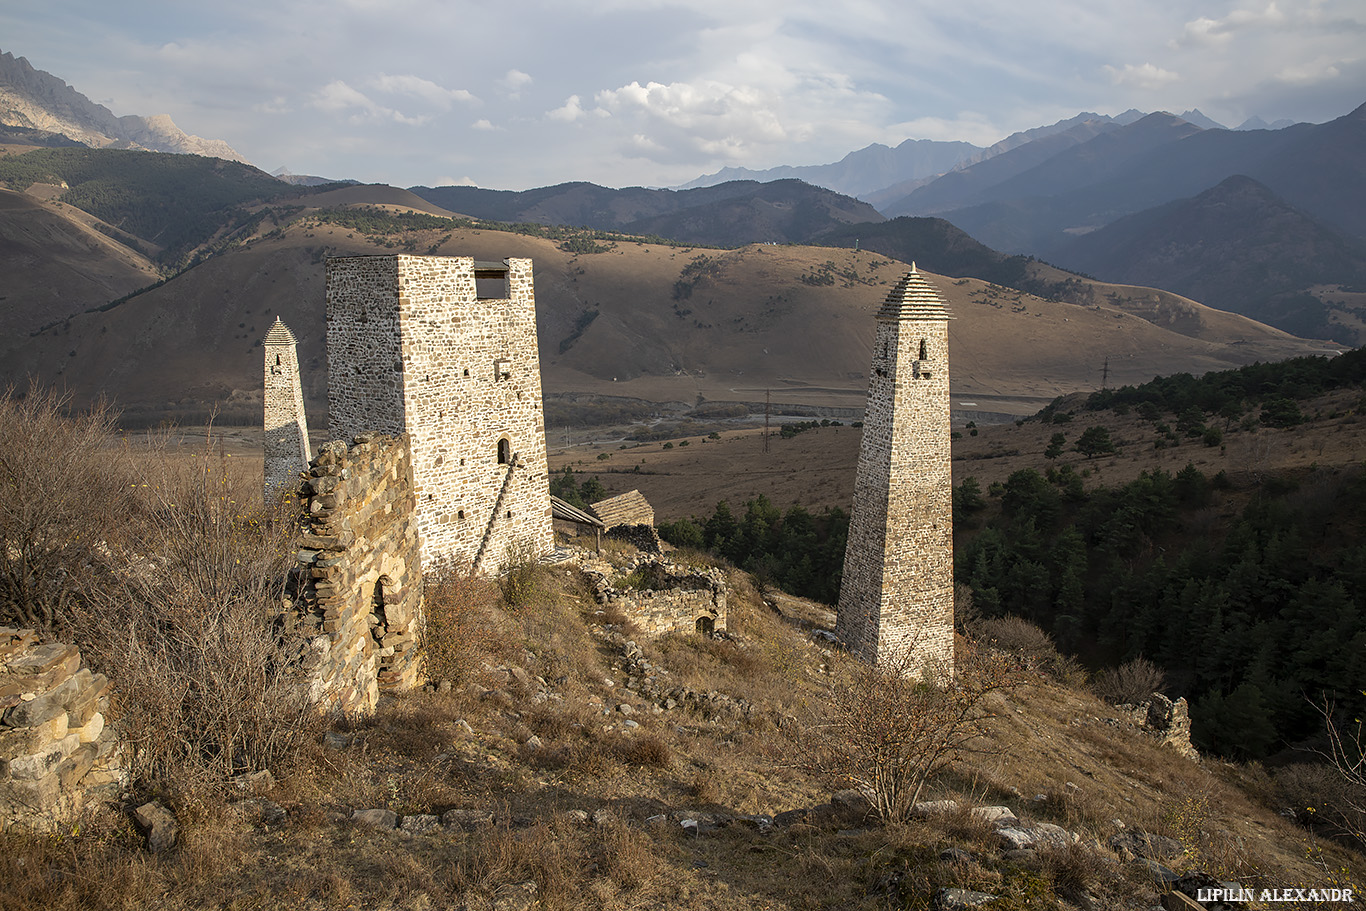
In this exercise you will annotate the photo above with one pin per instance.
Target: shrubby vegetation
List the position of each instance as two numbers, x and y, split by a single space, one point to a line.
169 575
1247 622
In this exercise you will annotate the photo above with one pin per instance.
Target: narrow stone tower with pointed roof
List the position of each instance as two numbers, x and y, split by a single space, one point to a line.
286 429
896 596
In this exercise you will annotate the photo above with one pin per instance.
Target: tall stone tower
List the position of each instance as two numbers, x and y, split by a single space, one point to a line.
444 349
896 596
286 440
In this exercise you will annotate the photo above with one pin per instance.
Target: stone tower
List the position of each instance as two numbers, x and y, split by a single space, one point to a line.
896 596
444 349
286 440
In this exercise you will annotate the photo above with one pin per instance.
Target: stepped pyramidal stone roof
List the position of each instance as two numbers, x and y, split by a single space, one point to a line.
914 298
279 334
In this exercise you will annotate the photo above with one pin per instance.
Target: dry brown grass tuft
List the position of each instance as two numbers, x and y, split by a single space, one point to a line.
462 630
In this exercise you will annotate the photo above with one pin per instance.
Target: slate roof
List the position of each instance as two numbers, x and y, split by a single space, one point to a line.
630 508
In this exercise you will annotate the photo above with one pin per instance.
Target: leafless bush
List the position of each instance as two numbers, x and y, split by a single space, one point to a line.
886 731
62 493
459 633
1033 646
1129 684
208 674
1347 754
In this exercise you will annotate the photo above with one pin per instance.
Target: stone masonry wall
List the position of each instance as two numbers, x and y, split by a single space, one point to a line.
55 750
361 598
413 348
896 596
661 597
286 430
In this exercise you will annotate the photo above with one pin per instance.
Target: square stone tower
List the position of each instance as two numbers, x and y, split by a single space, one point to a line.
444 349
286 430
896 596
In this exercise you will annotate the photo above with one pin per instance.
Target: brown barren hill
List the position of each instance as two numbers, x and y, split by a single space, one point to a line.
655 322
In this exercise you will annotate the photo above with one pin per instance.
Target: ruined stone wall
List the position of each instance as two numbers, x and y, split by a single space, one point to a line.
896 595
361 597
286 430
413 348
55 750
660 597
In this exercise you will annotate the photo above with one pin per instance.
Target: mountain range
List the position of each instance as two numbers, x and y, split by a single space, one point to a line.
50 112
147 276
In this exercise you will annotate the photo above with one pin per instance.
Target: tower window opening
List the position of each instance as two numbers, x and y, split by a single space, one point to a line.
923 354
504 451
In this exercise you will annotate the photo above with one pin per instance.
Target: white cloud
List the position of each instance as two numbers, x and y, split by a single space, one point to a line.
1208 31
514 81
483 124
1144 76
424 89
711 118
337 97
569 112
1308 73
455 182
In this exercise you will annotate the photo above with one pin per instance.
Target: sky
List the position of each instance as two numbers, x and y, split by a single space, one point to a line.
522 94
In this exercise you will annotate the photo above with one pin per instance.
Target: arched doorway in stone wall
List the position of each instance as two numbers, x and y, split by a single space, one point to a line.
706 625
379 619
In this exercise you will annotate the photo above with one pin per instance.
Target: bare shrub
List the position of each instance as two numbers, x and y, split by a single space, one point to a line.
1347 754
1129 684
643 750
1074 869
460 631
62 493
209 672
1017 636
523 582
1034 647
887 731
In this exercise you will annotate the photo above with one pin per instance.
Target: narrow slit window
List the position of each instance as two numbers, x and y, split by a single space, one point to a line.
504 451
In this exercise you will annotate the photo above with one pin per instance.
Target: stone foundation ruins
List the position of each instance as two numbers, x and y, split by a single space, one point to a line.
360 598
55 751
660 597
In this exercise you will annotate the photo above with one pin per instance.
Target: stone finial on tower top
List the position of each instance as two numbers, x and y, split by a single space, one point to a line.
914 298
279 334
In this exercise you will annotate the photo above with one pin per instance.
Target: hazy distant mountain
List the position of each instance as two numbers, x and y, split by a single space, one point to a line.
967 185
37 100
729 214
1238 247
1194 116
1314 167
1256 123
859 173
306 180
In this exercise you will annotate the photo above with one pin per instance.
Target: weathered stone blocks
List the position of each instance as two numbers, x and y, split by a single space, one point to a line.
54 747
896 596
360 558
413 348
